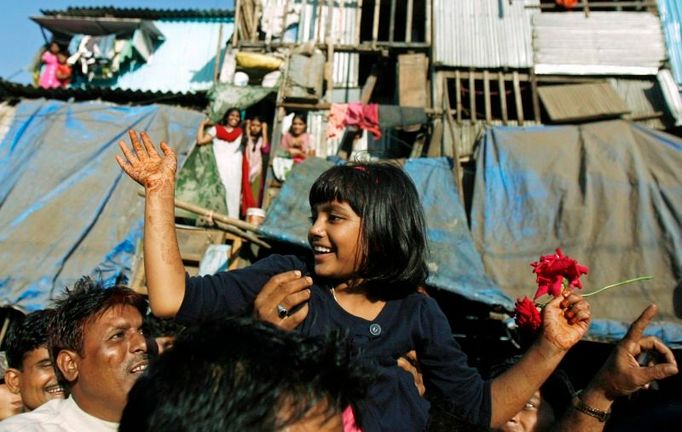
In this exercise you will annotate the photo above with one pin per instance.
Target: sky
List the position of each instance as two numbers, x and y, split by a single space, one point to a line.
23 37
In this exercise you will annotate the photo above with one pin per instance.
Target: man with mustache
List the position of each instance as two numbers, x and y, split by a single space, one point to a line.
99 351
30 373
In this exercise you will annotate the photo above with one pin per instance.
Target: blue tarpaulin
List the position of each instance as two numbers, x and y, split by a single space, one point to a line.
454 262
66 208
608 193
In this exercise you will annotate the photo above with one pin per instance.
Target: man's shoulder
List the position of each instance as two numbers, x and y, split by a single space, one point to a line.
43 419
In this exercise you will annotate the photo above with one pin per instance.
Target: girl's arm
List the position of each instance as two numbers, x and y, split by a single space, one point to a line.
565 321
265 149
162 262
202 136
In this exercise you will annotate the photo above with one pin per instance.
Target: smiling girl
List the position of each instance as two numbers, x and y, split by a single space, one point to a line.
369 244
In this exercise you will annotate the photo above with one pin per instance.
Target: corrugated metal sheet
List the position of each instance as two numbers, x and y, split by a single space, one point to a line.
672 96
576 102
605 43
643 96
670 12
483 33
184 62
196 100
313 25
144 13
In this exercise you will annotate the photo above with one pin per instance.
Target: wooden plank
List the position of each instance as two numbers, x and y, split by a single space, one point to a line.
408 20
375 23
330 20
456 169
472 97
418 146
237 17
391 22
427 29
285 15
358 20
534 95
486 96
329 70
458 97
503 97
368 88
517 98
318 30
216 63
412 76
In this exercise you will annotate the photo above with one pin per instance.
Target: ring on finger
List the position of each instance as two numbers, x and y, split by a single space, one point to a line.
282 312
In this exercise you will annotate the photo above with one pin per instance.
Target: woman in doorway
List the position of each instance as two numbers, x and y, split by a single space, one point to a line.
228 152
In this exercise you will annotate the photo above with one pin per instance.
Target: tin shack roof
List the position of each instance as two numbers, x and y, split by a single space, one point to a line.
603 43
483 33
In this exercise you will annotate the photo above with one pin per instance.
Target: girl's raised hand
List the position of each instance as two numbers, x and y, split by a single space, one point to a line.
144 164
565 320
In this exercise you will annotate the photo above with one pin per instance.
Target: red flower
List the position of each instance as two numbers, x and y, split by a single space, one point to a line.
551 271
527 314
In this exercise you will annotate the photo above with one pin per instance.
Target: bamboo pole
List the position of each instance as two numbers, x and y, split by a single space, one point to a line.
231 225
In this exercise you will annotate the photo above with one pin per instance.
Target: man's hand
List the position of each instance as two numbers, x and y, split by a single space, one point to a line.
622 375
144 164
288 290
409 363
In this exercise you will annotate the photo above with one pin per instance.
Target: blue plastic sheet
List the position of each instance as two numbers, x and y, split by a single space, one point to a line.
608 193
66 208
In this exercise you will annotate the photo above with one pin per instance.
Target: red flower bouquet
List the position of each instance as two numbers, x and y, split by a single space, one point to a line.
554 273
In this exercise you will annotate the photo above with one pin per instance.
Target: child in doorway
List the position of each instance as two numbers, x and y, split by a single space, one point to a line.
369 245
256 150
296 141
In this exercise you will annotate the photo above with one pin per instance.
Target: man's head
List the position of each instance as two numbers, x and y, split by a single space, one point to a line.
242 375
98 347
10 403
30 372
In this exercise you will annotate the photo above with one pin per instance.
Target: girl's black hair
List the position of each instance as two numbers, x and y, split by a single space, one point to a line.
227 114
393 247
300 117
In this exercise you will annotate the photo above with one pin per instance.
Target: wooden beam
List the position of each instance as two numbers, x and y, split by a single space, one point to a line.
375 23
486 96
358 20
534 95
503 97
391 22
517 98
458 96
408 20
235 33
284 19
427 29
216 64
368 88
472 97
329 69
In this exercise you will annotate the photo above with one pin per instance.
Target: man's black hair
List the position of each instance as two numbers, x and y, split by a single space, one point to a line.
241 375
393 236
30 333
84 303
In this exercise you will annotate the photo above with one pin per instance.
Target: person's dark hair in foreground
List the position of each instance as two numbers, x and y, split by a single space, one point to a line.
242 375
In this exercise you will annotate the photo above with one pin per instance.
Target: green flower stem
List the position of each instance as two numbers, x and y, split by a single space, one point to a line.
637 279
625 282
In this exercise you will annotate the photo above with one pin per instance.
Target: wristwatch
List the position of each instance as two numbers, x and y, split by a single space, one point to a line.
584 408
